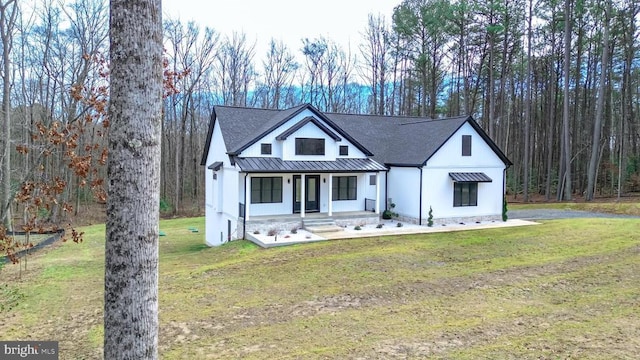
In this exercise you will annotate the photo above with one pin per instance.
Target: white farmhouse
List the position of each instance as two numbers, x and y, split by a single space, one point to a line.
284 169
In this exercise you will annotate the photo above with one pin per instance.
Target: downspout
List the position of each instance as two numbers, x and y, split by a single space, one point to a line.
386 189
504 192
420 211
244 216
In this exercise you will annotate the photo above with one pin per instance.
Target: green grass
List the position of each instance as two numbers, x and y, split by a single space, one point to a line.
564 289
623 207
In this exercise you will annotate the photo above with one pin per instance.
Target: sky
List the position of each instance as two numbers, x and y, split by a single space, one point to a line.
342 21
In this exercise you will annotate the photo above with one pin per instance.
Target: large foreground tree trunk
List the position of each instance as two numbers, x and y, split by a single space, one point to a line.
131 257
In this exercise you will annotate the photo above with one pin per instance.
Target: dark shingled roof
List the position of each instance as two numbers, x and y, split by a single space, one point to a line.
400 140
215 166
392 140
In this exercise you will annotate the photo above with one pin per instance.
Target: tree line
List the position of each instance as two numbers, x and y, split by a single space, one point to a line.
554 83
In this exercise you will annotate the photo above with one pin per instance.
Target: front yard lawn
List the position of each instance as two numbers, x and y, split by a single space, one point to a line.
565 289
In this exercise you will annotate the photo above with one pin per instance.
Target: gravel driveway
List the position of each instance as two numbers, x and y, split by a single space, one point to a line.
546 214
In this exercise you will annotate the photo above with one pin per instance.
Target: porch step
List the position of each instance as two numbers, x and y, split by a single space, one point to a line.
318 221
320 225
323 229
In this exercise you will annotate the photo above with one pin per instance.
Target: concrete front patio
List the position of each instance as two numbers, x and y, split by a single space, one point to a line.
390 227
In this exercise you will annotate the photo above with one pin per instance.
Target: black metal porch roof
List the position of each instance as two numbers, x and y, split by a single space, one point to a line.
276 165
469 177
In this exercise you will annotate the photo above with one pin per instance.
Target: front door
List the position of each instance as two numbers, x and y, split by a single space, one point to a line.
312 188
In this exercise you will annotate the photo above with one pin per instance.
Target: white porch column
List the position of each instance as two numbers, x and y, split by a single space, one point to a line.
303 195
378 193
247 196
330 192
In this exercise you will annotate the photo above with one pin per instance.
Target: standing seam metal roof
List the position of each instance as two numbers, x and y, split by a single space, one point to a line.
469 177
277 165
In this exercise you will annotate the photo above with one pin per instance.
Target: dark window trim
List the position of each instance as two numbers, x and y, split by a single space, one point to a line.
263 191
310 146
344 188
466 145
465 194
265 149
344 150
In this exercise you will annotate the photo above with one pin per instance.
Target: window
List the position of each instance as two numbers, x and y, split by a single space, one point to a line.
265 149
466 145
266 190
344 150
308 146
465 194
372 179
344 188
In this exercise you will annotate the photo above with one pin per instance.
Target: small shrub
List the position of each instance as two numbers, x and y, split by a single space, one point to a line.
389 213
399 224
357 227
379 226
256 232
504 209
294 230
430 218
272 232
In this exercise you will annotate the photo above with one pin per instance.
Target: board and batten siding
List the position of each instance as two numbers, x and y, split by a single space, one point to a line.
286 149
221 194
404 190
438 186
279 208
348 205
438 194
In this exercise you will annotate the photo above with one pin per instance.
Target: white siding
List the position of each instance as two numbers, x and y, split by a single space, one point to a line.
438 193
438 186
450 154
370 190
286 149
281 208
404 190
350 205
354 152
310 130
221 195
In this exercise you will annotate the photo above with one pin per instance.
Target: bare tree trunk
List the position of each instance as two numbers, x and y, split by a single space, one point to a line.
8 13
527 109
131 254
597 125
566 138
552 125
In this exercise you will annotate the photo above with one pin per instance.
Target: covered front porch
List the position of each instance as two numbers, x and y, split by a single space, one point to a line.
265 224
